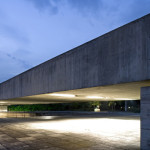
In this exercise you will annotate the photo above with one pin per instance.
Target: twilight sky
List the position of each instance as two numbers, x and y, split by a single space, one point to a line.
33 31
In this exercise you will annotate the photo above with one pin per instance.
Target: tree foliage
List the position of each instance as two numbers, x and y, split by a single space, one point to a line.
133 106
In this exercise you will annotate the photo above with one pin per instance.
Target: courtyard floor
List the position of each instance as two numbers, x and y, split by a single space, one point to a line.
89 132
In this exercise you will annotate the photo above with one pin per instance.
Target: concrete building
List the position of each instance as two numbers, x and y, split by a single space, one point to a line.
114 66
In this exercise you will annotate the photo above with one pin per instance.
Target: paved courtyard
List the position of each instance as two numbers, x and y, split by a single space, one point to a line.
70 133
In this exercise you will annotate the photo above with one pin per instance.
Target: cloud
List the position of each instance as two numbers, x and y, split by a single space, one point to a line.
86 6
43 5
11 65
13 33
18 60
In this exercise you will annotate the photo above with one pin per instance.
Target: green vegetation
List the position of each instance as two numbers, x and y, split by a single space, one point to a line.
133 106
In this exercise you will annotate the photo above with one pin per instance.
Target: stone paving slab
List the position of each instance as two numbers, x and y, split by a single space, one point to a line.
48 134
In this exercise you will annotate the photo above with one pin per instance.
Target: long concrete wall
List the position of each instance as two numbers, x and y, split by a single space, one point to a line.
119 56
145 118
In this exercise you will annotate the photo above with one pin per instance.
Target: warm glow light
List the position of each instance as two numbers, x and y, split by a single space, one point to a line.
123 99
62 95
105 128
3 102
94 97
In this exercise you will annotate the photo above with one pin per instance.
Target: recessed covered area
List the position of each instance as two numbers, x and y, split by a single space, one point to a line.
116 92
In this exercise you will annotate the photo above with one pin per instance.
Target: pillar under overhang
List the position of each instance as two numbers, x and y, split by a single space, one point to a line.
145 118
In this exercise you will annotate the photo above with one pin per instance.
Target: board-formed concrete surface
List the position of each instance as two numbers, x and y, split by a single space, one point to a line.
118 57
145 118
71 133
126 91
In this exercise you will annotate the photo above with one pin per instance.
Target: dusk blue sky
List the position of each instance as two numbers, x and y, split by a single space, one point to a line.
33 31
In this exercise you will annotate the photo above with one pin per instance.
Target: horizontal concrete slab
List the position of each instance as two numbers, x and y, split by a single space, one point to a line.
126 91
120 56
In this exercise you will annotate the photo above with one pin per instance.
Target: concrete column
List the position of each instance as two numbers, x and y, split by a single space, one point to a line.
145 118
3 108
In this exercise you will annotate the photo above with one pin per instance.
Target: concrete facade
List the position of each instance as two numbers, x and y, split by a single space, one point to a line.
120 56
145 118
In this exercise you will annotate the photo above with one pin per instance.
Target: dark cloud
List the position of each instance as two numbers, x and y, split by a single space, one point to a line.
43 5
19 61
86 6
83 6
13 63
